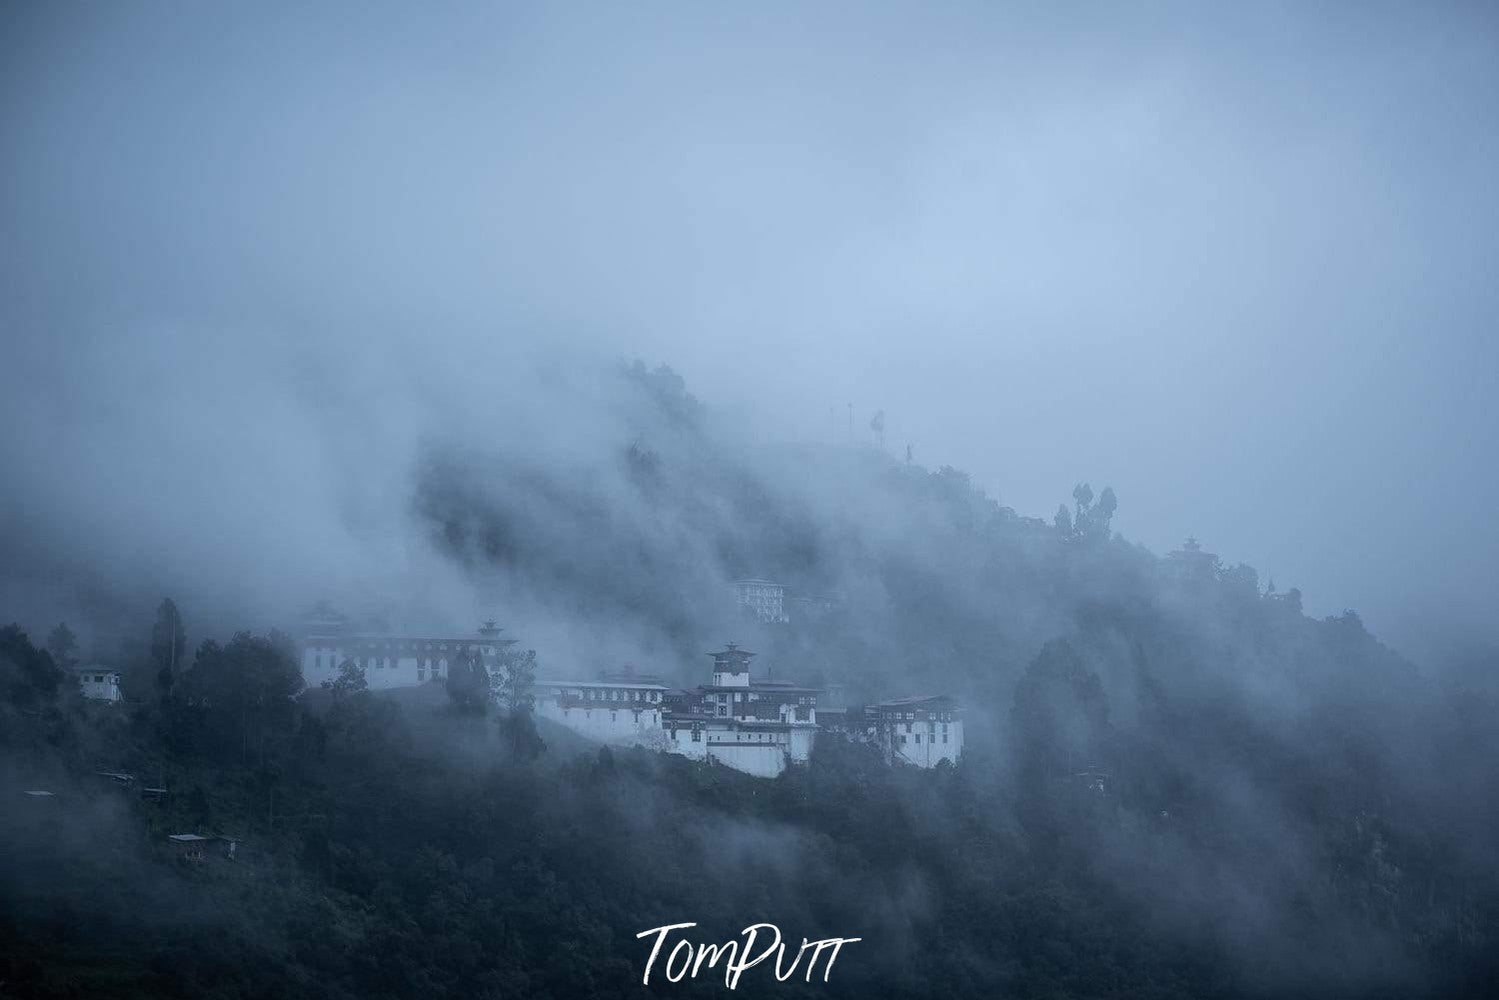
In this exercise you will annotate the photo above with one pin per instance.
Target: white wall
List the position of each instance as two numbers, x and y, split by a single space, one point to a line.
685 745
106 690
620 724
931 751
802 740
763 760
320 663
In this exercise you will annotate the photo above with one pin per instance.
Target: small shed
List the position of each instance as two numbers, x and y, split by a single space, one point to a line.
197 848
99 683
190 847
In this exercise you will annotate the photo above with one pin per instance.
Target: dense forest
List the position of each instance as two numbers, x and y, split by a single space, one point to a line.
1175 783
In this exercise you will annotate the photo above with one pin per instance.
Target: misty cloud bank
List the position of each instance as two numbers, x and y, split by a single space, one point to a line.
1232 263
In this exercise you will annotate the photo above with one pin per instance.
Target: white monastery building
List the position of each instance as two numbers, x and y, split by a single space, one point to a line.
921 731
765 599
390 659
759 727
755 726
617 708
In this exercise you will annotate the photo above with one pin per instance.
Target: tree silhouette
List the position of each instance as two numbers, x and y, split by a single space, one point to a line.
468 683
1062 521
351 680
168 644
514 681
61 643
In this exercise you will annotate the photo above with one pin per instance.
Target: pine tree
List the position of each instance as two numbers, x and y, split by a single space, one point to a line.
168 645
61 643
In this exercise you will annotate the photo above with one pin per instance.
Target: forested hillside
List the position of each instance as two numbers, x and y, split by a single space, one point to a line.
1175 784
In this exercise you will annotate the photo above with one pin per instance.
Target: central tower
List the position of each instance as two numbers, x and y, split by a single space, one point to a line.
731 667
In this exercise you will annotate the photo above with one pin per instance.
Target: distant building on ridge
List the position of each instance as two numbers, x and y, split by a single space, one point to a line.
1190 564
765 599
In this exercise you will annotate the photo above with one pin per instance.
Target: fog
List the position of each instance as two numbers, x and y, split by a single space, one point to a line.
571 316
1234 263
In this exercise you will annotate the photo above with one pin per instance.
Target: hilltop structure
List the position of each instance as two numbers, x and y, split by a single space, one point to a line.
923 731
764 599
1190 563
390 659
759 727
619 707
755 726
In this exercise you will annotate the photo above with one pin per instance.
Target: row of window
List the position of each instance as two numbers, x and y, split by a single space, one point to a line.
930 739
613 713
755 696
386 663
592 694
931 727
439 646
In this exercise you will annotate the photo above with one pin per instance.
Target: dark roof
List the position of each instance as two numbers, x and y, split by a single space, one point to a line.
630 674
472 639
637 682
760 689
916 700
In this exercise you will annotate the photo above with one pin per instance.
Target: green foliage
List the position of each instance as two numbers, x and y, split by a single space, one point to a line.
236 698
61 643
519 734
350 680
468 683
168 644
1059 717
28 676
385 854
1173 785
514 682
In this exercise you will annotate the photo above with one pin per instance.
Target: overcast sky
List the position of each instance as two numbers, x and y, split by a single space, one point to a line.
1235 261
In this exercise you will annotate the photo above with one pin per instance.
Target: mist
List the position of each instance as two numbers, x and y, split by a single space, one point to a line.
1232 263
573 316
